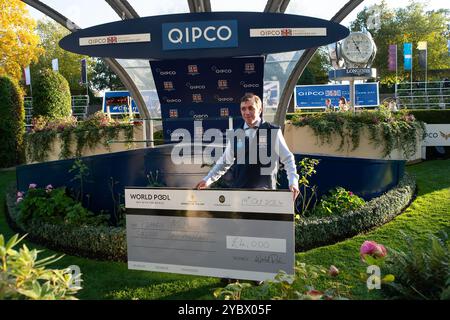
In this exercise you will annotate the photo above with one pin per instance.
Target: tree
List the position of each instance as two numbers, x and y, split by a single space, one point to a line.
104 78
410 24
18 42
51 95
12 116
69 63
317 70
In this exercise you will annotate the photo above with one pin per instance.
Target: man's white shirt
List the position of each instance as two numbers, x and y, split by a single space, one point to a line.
285 156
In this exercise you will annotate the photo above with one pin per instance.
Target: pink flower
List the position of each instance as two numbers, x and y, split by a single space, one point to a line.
19 194
373 249
333 271
19 199
49 186
32 186
350 193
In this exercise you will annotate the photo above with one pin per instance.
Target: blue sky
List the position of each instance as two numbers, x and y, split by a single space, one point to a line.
87 13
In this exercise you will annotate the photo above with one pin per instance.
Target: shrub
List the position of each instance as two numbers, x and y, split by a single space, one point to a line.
337 202
421 272
51 95
12 116
96 242
22 276
54 206
432 116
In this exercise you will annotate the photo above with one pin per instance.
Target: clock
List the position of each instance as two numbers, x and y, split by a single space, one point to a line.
358 49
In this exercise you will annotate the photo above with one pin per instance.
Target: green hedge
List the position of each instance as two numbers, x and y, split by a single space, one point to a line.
51 95
110 243
315 232
432 116
101 242
12 130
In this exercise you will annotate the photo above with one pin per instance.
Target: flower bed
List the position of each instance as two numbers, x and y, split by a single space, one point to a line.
66 138
103 242
367 134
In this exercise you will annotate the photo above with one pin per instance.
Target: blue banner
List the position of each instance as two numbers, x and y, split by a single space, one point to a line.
407 55
314 96
207 89
119 102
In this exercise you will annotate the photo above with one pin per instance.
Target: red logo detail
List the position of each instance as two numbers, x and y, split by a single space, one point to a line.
111 40
286 32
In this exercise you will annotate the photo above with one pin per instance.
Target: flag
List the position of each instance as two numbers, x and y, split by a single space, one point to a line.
27 76
407 55
392 58
83 71
55 64
422 47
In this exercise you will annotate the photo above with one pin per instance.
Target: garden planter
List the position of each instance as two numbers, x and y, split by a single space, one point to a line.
100 148
303 140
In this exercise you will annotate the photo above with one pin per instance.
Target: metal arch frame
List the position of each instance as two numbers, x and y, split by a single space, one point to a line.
199 5
112 63
276 6
123 8
296 73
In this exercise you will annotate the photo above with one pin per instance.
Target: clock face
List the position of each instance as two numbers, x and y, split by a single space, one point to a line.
357 48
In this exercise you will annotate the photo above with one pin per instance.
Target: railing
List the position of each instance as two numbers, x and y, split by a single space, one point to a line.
28 105
80 104
423 95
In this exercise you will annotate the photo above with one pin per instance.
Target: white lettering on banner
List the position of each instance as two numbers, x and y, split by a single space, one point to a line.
256 244
199 116
288 32
311 93
210 33
115 39
173 100
249 85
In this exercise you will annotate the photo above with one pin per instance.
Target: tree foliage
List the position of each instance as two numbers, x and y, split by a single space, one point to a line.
12 128
51 95
18 42
407 25
104 78
69 63
317 70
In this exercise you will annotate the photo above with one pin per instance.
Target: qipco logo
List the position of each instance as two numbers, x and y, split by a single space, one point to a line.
200 34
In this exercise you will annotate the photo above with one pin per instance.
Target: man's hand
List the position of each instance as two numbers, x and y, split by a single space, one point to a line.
295 191
201 185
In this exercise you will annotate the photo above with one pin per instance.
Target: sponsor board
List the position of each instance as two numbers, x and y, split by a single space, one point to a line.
438 135
220 233
114 39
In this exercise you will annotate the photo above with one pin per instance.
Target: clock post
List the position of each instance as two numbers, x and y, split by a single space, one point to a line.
352 58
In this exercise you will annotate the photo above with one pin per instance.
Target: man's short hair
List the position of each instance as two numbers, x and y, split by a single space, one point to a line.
254 98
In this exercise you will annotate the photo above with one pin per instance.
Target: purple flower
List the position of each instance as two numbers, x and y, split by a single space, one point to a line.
19 194
49 186
32 186
19 199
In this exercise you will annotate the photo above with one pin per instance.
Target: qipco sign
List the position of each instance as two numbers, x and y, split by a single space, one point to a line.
200 34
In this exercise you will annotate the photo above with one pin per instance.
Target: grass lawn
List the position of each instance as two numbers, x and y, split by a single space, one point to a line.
429 213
